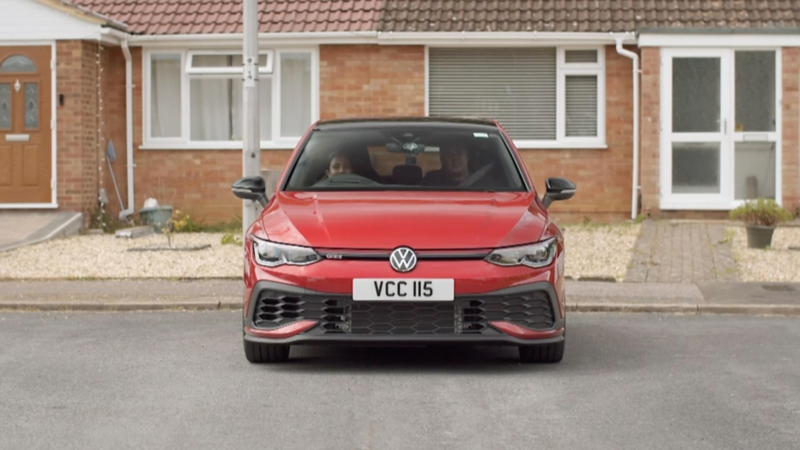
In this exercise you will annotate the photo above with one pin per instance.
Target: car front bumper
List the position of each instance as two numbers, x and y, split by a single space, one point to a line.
527 314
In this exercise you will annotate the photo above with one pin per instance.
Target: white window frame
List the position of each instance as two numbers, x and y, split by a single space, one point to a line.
726 199
270 74
225 70
563 69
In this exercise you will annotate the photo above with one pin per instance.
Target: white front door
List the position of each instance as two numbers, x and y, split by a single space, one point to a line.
719 128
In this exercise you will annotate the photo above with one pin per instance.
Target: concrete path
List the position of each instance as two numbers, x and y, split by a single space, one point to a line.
169 380
18 228
674 252
130 295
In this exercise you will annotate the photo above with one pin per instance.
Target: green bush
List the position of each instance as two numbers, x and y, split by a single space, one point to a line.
762 212
231 239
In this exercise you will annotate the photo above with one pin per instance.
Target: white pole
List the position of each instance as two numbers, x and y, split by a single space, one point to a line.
251 149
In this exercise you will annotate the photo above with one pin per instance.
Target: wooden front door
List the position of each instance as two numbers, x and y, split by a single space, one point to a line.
25 139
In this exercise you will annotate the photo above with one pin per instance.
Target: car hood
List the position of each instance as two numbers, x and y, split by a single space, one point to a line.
420 220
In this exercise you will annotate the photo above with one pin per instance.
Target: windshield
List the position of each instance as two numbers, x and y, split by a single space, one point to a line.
406 157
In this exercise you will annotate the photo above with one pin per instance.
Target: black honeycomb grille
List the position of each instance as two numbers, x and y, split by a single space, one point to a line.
531 309
403 318
466 315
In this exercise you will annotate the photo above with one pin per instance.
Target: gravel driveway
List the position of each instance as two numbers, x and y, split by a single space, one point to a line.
593 251
107 256
776 264
599 251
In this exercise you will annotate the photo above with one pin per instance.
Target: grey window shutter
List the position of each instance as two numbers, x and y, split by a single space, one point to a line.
516 87
581 105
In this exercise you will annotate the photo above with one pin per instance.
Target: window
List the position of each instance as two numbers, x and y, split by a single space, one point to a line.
406 156
543 96
195 98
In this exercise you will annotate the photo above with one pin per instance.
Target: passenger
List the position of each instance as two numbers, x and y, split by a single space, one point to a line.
454 158
339 163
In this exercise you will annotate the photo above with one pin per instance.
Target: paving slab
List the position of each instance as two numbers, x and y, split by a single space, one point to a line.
751 293
681 252
582 296
19 228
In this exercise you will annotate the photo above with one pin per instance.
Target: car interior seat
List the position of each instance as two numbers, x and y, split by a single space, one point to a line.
407 174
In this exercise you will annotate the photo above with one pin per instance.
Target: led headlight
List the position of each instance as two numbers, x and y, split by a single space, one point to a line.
536 255
271 254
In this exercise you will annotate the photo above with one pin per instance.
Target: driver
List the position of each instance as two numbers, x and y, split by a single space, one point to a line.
339 163
455 166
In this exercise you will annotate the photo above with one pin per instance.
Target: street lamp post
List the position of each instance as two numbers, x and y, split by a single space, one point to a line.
251 149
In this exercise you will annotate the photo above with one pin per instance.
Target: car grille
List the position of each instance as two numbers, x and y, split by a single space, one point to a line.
465 315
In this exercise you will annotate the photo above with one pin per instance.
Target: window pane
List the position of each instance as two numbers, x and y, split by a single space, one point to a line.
17 63
216 109
581 107
695 168
695 95
755 91
223 60
31 105
516 86
580 56
211 61
295 93
211 102
755 170
5 106
165 96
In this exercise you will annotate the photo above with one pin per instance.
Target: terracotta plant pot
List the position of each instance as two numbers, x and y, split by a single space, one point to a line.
759 236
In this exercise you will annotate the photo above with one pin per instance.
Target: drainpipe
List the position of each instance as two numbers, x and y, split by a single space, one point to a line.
123 38
128 125
635 188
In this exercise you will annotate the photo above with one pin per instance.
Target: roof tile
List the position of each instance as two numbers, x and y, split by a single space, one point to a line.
224 16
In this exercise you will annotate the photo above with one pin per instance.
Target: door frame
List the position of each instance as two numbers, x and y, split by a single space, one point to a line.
726 199
53 128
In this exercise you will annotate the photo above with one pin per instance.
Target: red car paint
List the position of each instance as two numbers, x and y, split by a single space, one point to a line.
384 220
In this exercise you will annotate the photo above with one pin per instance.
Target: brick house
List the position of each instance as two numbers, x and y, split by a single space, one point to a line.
664 108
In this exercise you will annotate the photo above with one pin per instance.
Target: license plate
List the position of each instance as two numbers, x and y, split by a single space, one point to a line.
401 289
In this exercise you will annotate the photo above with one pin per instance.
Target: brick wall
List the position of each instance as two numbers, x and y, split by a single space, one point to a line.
77 122
112 126
371 80
603 177
791 127
649 132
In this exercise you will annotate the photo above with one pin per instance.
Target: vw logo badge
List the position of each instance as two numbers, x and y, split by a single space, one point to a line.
403 259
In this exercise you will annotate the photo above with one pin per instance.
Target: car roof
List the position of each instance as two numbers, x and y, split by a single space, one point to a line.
380 122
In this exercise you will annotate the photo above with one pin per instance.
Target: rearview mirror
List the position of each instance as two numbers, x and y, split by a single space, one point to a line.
557 189
251 188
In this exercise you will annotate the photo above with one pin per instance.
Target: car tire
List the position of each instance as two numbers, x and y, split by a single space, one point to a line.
265 353
548 353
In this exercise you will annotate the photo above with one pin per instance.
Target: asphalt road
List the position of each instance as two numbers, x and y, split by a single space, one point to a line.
180 380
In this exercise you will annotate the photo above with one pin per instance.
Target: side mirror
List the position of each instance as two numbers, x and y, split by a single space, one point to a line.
251 188
558 189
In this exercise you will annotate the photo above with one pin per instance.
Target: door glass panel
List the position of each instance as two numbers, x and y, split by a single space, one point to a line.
755 91
5 106
755 170
31 105
695 95
695 168
17 63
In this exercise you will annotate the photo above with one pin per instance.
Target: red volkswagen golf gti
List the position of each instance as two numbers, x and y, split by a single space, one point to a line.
404 231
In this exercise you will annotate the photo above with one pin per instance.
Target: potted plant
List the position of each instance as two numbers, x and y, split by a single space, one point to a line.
761 217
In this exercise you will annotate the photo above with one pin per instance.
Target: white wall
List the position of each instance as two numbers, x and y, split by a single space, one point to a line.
28 20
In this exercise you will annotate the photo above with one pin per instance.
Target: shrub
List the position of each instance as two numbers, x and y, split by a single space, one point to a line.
231 239
762 212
